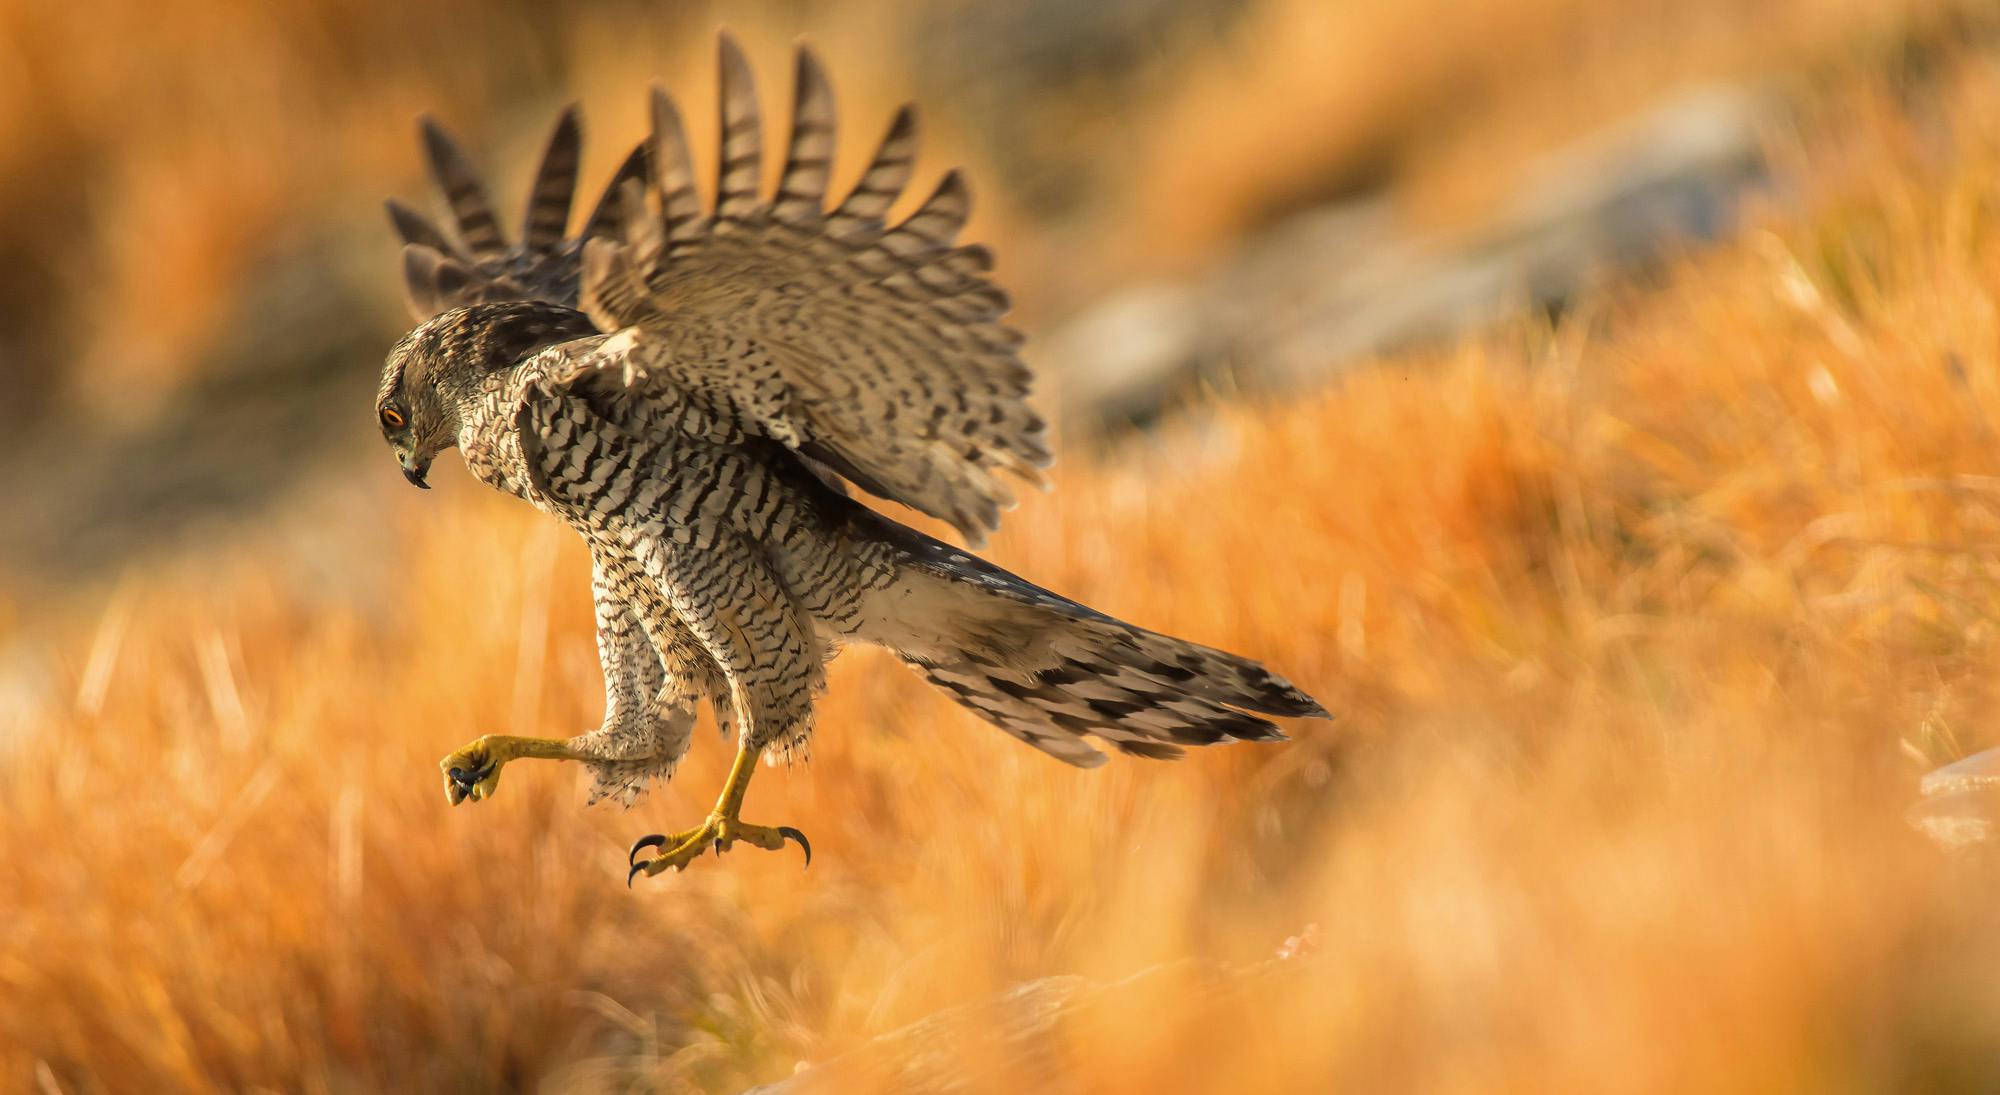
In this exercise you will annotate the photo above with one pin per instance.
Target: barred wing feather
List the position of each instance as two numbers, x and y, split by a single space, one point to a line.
474 263
873 349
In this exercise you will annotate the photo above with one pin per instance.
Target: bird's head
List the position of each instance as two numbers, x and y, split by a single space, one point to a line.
432 377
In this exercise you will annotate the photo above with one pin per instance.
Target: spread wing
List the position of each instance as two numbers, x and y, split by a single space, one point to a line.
875 350
475 264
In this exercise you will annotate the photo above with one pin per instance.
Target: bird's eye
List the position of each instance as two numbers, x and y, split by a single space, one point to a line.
392 418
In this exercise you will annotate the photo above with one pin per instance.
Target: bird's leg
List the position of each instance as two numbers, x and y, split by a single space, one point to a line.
474 771
722 828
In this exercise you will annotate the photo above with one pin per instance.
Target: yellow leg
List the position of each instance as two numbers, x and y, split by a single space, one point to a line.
474 771
722 828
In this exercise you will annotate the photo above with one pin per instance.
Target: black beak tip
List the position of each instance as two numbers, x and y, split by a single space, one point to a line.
416 478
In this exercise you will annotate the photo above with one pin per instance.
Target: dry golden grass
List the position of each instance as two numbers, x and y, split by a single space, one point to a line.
1638 631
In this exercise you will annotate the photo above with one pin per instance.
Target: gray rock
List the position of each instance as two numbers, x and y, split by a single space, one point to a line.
1344 283
1961 801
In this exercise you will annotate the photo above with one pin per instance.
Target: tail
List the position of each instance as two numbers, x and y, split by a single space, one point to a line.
1049 670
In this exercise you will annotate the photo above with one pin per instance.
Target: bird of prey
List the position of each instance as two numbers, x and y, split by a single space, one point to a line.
694 388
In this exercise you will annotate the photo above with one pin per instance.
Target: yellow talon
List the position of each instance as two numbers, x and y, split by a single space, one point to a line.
717 832
722 829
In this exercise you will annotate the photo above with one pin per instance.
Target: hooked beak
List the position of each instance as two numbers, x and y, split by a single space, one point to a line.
415 470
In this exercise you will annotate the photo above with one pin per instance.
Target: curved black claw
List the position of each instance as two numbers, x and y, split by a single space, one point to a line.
652 840
633 873
790 833
468 778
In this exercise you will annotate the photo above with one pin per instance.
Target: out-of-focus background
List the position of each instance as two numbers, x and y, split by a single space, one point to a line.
1593 402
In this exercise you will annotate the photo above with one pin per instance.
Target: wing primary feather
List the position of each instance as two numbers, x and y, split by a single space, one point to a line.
462 192
883 182
420 265
435 281
809 158
642 230
414 227
936 223
613 295
673 171
738 177
971 261
846 468
555 185
603 220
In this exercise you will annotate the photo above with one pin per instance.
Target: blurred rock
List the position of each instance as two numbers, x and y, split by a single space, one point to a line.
1344 283
1980 771
1961 802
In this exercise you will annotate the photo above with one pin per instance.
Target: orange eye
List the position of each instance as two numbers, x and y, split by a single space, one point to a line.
392 418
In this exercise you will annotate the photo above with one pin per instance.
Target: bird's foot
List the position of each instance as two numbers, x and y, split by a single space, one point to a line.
473 772
718 832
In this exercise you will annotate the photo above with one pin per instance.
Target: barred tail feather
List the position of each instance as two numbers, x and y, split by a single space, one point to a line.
1050 671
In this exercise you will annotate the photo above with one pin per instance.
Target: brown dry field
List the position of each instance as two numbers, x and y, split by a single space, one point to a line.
1639 625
